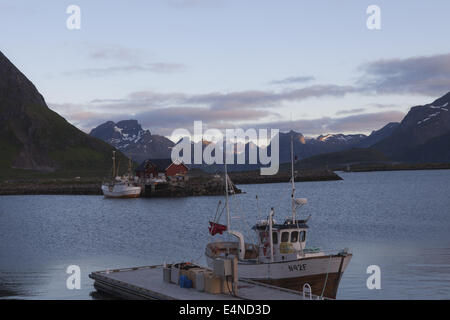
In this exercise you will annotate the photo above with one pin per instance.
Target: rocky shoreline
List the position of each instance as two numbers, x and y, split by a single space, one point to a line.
206 187
202 185
254 177
394 167
194 187
36 188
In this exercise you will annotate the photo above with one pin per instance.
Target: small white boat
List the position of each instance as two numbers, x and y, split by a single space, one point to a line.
121 187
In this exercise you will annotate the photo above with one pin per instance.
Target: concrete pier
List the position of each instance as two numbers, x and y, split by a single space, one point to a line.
147 283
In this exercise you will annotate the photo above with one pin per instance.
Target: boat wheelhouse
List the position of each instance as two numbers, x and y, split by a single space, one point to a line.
286 242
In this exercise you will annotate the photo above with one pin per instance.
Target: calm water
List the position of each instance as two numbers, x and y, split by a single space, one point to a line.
399 221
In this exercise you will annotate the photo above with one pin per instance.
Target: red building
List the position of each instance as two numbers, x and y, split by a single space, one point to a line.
154 168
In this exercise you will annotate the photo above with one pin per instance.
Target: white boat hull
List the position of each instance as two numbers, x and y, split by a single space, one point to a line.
121 191
322 273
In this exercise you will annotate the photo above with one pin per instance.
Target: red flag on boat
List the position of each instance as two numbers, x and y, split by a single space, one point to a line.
216 228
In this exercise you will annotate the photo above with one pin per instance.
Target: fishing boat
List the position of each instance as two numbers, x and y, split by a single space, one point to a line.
280 256
121 187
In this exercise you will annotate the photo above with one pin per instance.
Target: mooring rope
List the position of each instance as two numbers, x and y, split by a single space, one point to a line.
326 278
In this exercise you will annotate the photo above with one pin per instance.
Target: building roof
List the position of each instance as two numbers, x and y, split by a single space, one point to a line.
160 164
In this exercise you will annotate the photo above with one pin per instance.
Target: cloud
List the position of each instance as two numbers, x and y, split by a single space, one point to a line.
140 101
168 119
162 112
350 111
250 99
294 80
383 105
113 59
149 67
362 123
426 75
115 52
159 120
164 120
255 98
366 122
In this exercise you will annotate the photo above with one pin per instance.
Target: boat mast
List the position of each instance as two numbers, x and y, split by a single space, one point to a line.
226 199
271 234
129 168
237 234
292 179
114 164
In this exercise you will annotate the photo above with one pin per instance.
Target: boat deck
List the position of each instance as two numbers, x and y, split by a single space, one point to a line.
147 283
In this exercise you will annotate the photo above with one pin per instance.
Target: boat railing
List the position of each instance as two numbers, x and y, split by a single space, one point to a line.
317 251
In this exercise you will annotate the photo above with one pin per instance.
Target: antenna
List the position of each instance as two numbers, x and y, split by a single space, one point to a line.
292 179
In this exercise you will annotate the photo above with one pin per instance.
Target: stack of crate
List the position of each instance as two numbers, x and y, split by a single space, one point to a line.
222 279
213 283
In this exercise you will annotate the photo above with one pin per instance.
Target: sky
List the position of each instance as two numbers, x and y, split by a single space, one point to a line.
311 66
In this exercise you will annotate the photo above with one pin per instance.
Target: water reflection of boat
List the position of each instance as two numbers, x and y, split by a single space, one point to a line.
280 257
121 187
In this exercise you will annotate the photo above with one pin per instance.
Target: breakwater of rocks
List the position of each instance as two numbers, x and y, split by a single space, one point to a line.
50 188
201 185
253 177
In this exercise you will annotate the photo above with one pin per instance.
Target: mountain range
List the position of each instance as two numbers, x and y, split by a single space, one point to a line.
422 136
35 138
137 143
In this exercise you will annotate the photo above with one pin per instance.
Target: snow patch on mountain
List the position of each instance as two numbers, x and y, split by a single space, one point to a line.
443 107
340 137
435 114
122 140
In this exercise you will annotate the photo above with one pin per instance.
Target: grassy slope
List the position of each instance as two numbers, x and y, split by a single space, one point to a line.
74 152
33 136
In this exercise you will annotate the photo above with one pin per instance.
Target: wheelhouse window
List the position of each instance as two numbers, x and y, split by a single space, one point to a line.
275 237
285 237
294 236
302 236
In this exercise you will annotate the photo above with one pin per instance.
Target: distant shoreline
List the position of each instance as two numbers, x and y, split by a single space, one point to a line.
254 177
201 185
393 167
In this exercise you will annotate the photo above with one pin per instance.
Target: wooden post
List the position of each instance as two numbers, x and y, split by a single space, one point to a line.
235 275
